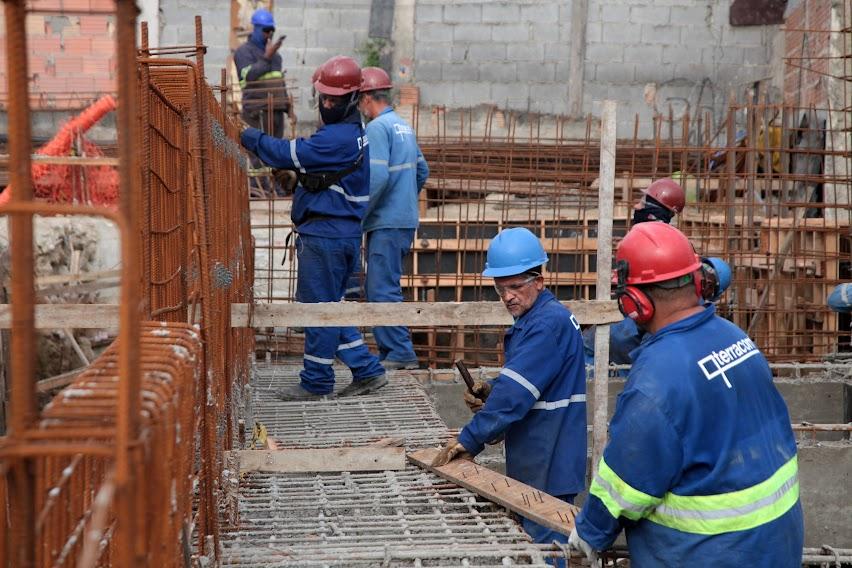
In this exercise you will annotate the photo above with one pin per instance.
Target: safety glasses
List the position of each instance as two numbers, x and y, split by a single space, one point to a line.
514 288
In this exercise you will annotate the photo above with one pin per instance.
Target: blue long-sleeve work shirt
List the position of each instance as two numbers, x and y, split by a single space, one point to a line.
398 171
335 212
701 464
538 401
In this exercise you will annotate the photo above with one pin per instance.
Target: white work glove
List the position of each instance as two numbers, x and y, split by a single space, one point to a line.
580 545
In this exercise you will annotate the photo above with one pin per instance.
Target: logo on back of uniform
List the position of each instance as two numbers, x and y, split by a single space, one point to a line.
718 363
402 130
362 141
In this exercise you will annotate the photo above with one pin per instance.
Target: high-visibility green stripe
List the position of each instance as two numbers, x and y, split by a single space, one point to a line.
620 499
741 498
702 514
701 524
243 74
271 75
734 511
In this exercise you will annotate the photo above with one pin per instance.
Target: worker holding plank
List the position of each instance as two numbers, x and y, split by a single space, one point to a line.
701 466
538 402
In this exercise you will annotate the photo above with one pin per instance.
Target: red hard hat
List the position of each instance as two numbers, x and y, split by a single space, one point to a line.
668 193
374 79
656 252
338 76
316 74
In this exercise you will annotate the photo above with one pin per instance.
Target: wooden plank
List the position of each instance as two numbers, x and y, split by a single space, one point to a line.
58 381
369 458
606 197
76 277
412 314
527 501
95 161
73 316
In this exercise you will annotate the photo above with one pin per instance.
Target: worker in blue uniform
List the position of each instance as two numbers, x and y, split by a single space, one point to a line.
397 174
538 401
260 69
661 201
625 336
333 171
701 466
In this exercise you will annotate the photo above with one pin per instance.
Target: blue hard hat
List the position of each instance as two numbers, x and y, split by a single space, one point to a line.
513 251
723 275
263 17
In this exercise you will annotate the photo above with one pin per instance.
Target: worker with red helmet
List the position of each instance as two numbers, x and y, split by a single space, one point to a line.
333 169
701 466
660 201
397 174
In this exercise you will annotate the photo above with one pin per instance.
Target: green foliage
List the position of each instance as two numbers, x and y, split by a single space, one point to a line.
371 51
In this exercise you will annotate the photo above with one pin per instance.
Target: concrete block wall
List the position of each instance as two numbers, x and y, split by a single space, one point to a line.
647 54
315 29
510 53
652 54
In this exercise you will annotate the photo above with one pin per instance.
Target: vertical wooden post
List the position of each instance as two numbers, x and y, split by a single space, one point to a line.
604 284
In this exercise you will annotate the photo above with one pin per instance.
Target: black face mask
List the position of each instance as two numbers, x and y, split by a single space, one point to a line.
653 211
338 112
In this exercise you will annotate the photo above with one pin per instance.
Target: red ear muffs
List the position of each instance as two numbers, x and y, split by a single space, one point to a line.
703 284
635 304
632 302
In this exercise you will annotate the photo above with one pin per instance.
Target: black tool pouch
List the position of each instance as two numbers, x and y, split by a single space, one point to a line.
319 181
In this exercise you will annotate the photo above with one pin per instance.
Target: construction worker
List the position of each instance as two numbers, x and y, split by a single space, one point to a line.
660 201
333 168
701 466
397 174
539 399
259 66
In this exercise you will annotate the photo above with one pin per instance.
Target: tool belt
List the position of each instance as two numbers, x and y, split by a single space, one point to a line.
318 181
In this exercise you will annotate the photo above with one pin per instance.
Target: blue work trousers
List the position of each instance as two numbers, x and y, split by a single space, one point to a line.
325 268
386 249
544 535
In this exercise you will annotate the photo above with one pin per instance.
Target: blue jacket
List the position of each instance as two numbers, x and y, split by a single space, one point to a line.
398 171
624 337
538 401
252 66
335 212
701 465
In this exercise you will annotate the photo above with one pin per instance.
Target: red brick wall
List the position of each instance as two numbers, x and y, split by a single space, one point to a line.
807 49
71 56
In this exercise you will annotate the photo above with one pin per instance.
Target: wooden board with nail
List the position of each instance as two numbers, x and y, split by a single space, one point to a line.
531 503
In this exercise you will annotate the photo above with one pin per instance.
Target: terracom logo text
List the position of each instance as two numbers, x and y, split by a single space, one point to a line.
726 359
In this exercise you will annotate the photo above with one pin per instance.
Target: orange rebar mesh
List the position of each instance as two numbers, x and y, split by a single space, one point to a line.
196 260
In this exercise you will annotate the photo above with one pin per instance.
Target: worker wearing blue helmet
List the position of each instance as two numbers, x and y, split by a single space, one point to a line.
260 69
538 401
